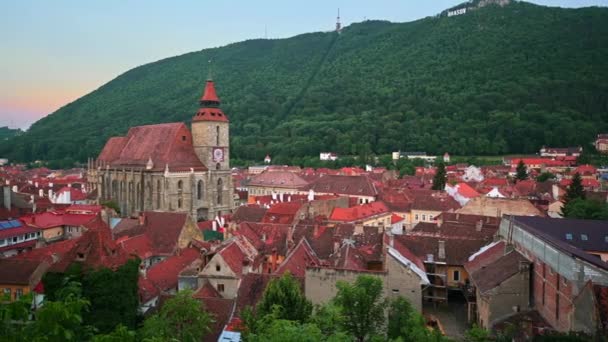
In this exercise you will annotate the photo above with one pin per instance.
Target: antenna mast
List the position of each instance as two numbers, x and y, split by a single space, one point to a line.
338 24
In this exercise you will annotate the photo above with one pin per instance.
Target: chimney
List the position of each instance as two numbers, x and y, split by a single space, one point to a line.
457 216
358 227
391 240
50 193
36 184
439 221
315 231
274 259
214 225
7 197
555 191
336 247
40 192
479 225
441 251
142 219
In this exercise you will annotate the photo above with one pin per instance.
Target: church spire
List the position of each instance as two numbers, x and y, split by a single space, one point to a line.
209 98
209 109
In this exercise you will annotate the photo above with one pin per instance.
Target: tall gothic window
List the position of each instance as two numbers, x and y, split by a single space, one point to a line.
217 135
180 187
220 188
158 191
199 190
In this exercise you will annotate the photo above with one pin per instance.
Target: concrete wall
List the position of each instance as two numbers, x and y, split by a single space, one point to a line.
320 283
401 281
398 280
497 304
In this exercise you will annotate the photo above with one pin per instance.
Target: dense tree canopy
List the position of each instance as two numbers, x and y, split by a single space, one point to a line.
493 81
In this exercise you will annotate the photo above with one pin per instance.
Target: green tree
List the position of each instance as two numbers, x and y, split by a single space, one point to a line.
181 318
279 330
521 171
406 323
545 176
477 334
588 209
113 296
13 316
329 319
440 177
362 306
285 294
62 320
575 190
120 334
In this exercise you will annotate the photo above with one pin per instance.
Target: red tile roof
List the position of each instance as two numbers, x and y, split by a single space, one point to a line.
486 255
234 257
457 251
491 275
165 273
396 218
467 191
209 95
278 179
15 231
18 272
207 291
359 212
75 194
57 249
165 144
346 185
298 259
161 228
283 213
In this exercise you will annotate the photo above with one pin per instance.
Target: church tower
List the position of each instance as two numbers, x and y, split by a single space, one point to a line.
210 138
210 131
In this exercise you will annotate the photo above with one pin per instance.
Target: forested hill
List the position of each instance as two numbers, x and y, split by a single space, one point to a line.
495 80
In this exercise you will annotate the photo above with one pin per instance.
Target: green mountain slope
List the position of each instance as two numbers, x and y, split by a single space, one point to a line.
495 80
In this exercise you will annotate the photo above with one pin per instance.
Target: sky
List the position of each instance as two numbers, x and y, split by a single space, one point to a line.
53 52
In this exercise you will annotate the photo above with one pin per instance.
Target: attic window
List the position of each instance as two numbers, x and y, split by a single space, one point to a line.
212 114
584 237
80 256
568 236
183 138
218 268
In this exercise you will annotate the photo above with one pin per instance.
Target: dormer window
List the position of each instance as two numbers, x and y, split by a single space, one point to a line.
183 138
80 256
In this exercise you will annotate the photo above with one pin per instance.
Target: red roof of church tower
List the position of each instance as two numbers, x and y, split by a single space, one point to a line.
209 106
209 95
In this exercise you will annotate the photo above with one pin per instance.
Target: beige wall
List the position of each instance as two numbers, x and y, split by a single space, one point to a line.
320 283
189 232
422 216
404 281
397 280
224 276
53 233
